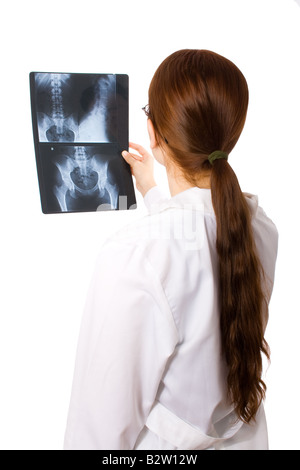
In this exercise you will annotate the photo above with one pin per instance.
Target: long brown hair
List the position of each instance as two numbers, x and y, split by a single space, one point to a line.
198 103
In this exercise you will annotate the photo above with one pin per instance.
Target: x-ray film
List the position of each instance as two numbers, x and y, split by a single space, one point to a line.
80 127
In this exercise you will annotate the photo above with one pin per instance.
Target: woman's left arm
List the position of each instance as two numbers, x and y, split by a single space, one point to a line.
127 335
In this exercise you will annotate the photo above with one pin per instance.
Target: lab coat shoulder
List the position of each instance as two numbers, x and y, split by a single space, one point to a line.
150 239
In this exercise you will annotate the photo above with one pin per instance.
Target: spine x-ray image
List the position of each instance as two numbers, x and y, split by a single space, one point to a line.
80 126
75 108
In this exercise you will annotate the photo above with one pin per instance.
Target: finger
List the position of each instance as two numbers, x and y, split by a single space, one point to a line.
131 157
139 148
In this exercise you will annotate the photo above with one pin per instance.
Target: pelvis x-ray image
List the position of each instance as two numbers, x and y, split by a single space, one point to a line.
81 178
80 127
75 107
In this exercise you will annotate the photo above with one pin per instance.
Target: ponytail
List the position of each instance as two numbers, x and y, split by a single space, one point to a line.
241 296
198 102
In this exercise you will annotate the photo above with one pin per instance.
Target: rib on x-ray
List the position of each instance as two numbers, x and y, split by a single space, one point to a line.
75 108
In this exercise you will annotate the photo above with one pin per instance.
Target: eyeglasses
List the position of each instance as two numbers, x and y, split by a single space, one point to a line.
146 110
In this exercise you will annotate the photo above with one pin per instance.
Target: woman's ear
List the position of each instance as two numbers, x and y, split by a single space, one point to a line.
151 132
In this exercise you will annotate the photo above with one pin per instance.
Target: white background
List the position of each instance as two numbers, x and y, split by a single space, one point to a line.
47 260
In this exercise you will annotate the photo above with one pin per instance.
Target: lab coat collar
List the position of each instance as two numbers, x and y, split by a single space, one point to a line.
190 199
194 197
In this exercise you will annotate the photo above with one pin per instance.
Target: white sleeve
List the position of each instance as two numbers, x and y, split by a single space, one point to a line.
127 335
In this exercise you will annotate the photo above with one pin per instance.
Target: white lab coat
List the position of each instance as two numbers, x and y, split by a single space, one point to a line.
149 372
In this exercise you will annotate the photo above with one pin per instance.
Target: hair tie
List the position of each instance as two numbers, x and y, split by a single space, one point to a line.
216 156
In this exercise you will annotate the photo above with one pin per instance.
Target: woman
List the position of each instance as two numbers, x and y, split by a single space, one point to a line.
171 344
